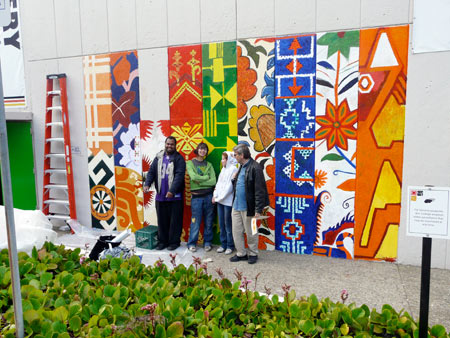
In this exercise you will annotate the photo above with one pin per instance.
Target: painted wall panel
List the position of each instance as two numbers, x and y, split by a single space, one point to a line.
336 123
127 140
295 73
99 136
256 117
381 121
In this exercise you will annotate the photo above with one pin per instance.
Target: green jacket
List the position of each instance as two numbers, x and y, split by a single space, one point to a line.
199 181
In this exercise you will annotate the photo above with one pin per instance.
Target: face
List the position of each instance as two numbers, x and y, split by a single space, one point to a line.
170 146
239 158
202 152
224 161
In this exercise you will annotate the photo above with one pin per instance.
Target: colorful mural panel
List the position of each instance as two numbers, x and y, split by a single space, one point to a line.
127 139
336 124
186 109
219 99
256 117
381 121
97 89
295 89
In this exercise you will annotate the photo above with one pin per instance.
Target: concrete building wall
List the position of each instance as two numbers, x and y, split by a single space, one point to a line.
56 34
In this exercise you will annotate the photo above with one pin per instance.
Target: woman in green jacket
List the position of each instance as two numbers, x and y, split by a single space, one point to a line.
203 180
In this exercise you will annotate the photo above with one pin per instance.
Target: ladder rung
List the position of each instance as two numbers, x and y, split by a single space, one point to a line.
55 171
54 124
55 139
65 202
55 155
58 216
56 186
54 108
54 92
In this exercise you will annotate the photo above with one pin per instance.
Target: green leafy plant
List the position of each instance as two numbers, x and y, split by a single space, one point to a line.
66 295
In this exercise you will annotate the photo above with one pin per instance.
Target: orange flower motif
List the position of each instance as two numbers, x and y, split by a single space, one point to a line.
320 178
245 82
337 125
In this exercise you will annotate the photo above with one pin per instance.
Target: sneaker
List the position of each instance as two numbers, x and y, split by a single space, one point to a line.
192 249
220 250
172 247
252 259
208 248
237 258
228 251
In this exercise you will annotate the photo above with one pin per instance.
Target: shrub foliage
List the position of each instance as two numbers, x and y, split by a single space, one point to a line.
65 295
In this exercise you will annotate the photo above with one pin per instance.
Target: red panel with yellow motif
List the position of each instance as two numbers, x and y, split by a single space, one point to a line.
186 109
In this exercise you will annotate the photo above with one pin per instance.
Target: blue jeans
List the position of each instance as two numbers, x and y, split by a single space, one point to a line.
201 207
226 233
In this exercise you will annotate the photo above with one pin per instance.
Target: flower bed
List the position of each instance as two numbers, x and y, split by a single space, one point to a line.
66 295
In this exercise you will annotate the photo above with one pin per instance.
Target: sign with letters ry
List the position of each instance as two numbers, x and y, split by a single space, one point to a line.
428 214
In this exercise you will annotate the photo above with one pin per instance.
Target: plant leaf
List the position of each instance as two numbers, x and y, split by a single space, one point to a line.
348 85
325 64
325 83
332 157
75 323
175 330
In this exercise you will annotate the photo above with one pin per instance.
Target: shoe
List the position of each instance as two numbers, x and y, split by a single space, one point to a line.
220 250
192 249
237 258
173 247
252 259
208 248
228 251
161 246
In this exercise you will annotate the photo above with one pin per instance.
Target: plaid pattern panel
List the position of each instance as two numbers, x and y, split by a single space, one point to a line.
97 78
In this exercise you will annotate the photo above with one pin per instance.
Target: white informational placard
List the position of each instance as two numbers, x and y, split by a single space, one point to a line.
431 24
428 214
5 13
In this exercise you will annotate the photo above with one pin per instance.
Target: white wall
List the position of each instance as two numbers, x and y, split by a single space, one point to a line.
57 33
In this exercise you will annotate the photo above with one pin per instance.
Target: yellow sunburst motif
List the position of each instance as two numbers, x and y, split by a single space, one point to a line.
188 137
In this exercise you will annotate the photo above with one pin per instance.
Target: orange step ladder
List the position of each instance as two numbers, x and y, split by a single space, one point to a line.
58 199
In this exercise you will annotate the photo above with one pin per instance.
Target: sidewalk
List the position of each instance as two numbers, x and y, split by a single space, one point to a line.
367 282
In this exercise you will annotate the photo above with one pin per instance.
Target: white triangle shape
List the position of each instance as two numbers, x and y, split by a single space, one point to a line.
384 55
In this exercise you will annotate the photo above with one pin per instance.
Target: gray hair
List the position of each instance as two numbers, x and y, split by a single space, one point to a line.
242 149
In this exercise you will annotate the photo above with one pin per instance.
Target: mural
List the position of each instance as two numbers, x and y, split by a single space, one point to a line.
99 136
256 117
219 99
186 110
336 123
323 114
295 89
381 122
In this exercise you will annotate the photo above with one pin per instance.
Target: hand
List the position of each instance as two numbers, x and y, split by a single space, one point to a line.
257 214
146 188
213 200
169 195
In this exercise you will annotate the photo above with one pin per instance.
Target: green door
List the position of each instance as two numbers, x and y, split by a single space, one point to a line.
21 162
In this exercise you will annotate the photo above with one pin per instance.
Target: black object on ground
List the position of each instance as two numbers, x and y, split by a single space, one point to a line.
103 243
